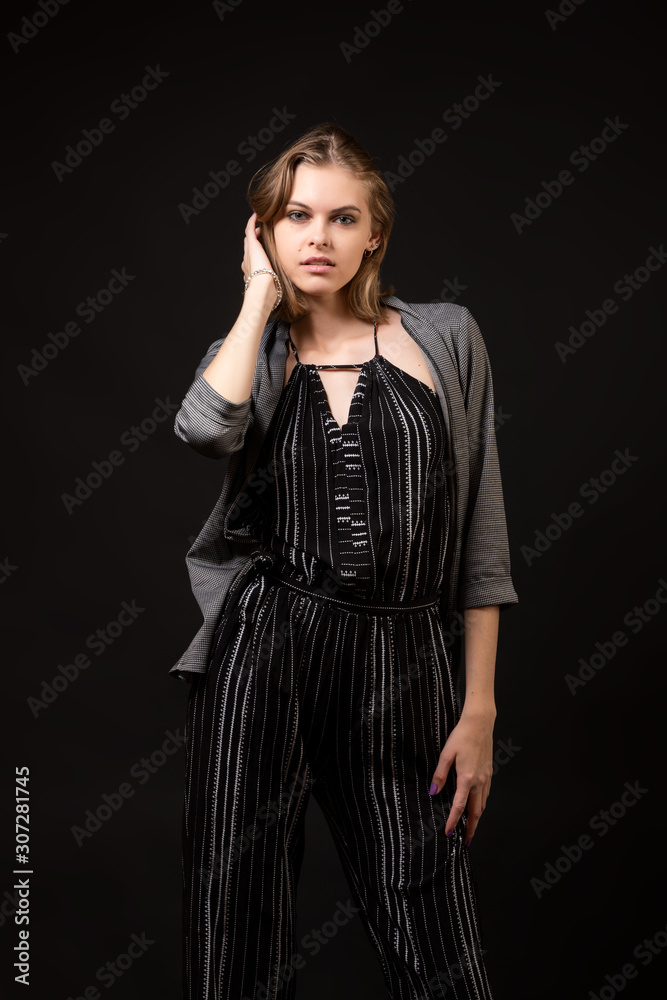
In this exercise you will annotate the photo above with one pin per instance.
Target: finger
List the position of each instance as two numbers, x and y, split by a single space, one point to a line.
475 810
486 791
440 774
458 805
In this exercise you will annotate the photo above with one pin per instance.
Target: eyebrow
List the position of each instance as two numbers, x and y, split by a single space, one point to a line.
343 208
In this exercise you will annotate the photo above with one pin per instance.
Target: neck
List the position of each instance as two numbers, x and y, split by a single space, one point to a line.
328 324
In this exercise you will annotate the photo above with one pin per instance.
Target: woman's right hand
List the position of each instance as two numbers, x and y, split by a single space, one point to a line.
254 254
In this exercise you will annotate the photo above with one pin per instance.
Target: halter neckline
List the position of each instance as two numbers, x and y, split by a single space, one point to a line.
349 365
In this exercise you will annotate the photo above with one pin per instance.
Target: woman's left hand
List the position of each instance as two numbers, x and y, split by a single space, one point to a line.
470 749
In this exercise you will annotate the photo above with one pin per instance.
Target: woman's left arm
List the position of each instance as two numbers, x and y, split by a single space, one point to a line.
485 584
469 746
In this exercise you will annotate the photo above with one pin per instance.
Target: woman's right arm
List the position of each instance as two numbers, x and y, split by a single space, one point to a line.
216 412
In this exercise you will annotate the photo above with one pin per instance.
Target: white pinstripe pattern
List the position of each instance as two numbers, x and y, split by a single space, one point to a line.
360 699
300 690
367 496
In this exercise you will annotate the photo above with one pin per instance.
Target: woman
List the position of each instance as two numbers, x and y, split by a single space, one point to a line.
359 534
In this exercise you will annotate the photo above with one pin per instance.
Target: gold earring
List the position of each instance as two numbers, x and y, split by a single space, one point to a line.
369 253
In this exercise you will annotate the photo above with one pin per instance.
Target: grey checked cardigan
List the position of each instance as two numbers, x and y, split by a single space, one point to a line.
478 552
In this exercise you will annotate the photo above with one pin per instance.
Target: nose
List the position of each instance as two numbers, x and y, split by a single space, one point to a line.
317 237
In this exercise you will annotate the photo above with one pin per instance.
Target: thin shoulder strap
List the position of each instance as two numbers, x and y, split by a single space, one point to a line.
375 335
296 356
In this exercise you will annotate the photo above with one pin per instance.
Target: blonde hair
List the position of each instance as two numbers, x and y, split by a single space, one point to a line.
269 191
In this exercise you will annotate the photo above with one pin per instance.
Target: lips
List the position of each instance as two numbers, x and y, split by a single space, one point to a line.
318 260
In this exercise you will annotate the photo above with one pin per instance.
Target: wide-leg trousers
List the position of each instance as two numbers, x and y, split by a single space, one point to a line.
354 703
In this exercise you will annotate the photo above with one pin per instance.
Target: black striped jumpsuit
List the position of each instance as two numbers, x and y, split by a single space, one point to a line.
329 671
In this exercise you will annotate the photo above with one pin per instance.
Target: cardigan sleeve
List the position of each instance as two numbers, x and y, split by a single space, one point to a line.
211 424
485 560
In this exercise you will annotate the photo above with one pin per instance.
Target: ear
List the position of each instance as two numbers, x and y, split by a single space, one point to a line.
376 237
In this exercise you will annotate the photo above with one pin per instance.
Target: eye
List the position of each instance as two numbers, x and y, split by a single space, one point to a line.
347 219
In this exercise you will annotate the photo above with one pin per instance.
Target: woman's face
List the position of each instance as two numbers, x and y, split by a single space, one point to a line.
326 216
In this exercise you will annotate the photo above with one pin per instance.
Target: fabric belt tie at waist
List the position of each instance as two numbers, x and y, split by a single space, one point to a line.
282 572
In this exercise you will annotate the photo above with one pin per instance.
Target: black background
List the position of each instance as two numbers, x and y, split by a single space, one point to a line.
66 574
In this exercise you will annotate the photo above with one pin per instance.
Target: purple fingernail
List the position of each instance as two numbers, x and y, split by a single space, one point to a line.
468 841
433 789
451 833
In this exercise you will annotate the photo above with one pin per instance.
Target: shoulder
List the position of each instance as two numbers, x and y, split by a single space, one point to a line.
452 321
